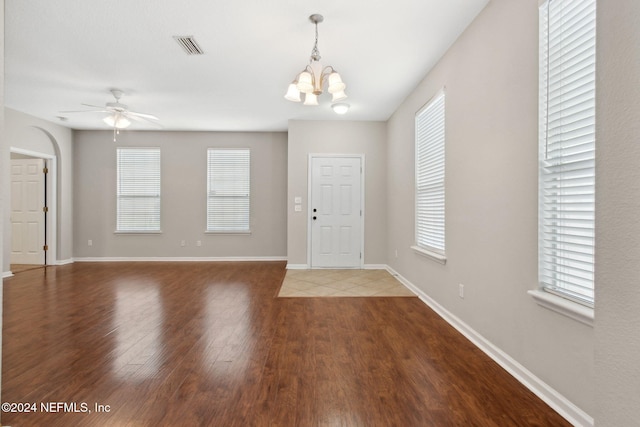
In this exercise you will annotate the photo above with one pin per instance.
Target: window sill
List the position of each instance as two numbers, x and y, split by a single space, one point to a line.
233 233
563 306
138 232
434 256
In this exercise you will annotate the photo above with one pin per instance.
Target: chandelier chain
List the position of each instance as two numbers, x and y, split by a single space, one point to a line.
315 53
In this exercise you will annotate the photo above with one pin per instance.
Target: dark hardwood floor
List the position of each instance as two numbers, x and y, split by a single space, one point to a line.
209 344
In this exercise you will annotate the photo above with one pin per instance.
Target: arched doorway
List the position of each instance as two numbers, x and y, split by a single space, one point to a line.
48 233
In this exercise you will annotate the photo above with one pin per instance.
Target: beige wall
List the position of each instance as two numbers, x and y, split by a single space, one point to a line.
617 328
184 183
337 137
490 76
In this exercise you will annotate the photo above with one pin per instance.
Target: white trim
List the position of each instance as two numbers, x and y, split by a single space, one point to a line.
177 259
362 199
52 199
64 261
125 232
575 311
550 396
297 266
7 274
375 267
229 233
434 256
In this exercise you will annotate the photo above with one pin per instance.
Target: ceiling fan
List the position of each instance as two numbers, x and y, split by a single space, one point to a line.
118 115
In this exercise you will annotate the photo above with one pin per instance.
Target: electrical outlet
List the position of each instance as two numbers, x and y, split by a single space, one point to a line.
461 290
90 242
183 243
199 243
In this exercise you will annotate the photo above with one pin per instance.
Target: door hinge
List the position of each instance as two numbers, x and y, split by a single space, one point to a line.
45 209
45 170
45 247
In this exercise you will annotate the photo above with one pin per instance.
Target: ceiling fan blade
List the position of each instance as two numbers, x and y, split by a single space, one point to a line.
84 111
94 106
142 115
140 118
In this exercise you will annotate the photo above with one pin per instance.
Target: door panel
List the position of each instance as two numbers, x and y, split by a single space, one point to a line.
27 216
336 184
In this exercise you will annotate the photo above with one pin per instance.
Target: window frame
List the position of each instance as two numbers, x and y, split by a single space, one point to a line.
566 209
430 148
155 180
245 222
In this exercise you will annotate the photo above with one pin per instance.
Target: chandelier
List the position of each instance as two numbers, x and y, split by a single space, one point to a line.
312 79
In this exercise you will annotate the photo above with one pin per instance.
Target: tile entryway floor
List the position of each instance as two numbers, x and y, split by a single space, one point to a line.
342 283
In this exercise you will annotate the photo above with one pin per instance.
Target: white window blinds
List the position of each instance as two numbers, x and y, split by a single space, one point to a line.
228 190
138 189
567 148
430 219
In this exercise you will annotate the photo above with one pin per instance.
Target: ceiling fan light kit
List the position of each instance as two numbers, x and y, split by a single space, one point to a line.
118 115
311 80
117 120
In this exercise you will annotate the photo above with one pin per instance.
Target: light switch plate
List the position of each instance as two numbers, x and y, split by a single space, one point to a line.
297 200
298 208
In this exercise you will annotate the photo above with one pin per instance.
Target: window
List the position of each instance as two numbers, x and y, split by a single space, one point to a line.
228 190
138 190
430 178
567 149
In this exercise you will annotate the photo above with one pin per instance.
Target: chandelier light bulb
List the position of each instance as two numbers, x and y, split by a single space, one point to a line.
335 83
293 94
338 96
305 82
310 99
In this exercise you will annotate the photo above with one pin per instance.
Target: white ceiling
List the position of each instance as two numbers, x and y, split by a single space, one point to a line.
60 54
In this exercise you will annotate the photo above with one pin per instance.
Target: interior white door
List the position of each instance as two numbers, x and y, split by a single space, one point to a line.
27 215
336 212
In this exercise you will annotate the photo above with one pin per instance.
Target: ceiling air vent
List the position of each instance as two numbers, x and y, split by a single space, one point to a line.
189 45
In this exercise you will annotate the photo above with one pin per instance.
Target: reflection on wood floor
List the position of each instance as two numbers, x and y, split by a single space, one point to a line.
19 268
210 344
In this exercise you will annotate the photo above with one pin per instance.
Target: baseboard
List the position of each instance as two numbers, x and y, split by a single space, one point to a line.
7 274
546 393
364 267
297 266
375 267
177 259
64 261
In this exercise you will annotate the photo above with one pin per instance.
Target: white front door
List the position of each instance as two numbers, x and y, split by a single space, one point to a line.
336 212
27 215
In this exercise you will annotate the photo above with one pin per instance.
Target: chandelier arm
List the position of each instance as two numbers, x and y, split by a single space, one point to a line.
309 69
327 70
